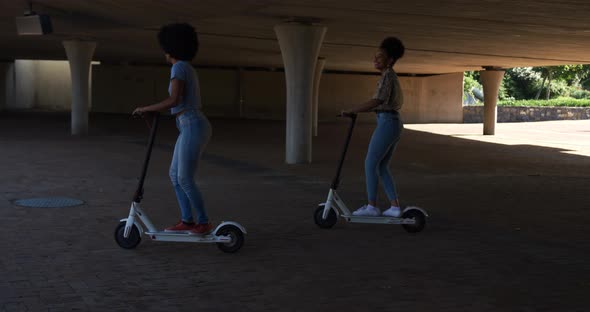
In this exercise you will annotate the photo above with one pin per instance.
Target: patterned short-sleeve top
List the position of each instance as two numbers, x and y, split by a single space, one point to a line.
389 91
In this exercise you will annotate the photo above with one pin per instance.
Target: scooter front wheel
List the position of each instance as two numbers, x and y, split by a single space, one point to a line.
325 223
130 242
236 235
419 218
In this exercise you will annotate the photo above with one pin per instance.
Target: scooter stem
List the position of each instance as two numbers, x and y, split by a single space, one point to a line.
336 180
154 128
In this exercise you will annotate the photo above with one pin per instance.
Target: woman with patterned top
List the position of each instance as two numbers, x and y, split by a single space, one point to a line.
386 103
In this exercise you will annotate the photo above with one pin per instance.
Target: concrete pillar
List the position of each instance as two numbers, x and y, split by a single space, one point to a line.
80 55
7 88
3 85
491 79
25 84
240 96
300 45
319 68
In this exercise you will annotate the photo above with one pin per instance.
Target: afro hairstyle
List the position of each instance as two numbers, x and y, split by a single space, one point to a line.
180 41
393 47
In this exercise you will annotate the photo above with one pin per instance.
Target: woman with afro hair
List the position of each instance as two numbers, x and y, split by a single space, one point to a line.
386 103
180 45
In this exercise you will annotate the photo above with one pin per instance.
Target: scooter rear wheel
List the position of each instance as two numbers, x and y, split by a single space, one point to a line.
130 242
325 223
418 216
236 235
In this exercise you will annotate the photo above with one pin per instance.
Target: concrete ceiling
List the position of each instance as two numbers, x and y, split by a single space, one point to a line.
440 37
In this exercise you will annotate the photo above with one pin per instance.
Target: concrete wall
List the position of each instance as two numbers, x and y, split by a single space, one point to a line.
264 95
341 91
119 89
25 85
433 99
44 85
231 93
219 92
426 99
54 86
474 114
444 95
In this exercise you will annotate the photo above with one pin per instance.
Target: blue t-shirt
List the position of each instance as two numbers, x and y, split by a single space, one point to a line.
191 97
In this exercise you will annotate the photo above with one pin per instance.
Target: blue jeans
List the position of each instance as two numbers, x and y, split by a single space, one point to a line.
381 148
195 132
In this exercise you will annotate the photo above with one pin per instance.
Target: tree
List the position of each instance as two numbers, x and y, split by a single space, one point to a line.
521 82
572 74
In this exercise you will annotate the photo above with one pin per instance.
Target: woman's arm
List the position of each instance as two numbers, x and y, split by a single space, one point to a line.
177 86
382 93
366 106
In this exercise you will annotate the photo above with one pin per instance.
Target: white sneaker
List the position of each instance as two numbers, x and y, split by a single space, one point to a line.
367 211
393 211
359 211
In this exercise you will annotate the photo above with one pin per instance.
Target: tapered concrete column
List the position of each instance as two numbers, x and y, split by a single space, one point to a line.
25 83
240 97
491 80
7 87
319 68
80 55
300 45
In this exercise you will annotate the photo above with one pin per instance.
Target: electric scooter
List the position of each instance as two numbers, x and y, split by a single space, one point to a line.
413 219
229 236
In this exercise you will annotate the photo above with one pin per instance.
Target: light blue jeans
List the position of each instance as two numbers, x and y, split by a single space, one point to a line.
381 148
195 132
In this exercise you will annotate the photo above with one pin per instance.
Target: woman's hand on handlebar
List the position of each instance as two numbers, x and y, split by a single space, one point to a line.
346 114
138 111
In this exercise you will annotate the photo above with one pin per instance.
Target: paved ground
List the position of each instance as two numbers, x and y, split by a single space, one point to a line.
508 230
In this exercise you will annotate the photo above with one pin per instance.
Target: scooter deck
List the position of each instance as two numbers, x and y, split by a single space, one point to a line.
187 237
378 220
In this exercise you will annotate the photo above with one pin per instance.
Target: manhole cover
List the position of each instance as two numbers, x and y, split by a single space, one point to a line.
49 202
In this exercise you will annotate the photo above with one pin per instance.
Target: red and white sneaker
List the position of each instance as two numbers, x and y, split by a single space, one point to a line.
202 229
181 227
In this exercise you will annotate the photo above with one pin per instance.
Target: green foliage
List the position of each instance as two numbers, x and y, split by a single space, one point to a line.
585 83
503 93
558 102
527 83
580 94
521 83
558 88
572 74
470 82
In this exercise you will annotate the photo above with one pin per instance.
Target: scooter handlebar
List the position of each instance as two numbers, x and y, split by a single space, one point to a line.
149 117
144 115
